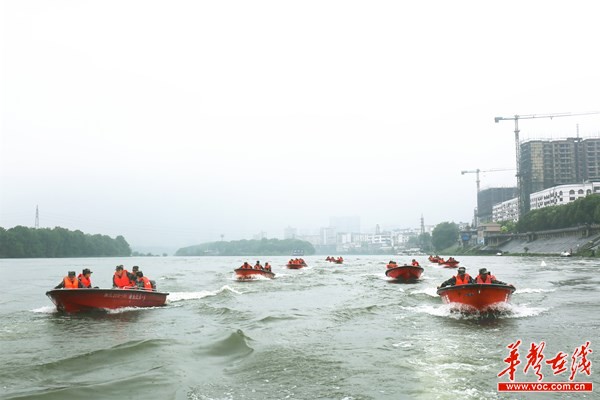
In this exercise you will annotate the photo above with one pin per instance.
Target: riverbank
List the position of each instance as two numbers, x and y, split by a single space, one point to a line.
582 241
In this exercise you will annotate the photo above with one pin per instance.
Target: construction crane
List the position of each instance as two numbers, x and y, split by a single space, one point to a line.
516 118
477 171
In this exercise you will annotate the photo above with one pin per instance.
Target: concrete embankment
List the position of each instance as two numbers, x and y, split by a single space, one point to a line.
581 241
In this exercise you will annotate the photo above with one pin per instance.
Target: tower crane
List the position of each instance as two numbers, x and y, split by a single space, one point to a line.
477 171
516 118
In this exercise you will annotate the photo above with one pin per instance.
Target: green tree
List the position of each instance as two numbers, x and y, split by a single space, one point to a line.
267 247
21 242
444 235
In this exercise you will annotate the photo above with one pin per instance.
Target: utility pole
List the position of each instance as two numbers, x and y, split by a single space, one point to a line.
37 217
520 195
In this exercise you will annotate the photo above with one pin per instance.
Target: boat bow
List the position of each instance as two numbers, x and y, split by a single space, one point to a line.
245 273
477 296
404 272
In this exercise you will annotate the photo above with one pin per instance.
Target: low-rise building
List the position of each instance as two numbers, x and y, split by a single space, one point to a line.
484 230
506 211
554 196
563 194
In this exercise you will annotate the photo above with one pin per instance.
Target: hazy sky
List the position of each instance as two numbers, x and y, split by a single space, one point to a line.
172 122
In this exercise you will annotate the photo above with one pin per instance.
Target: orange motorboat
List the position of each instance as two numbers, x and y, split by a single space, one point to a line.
244 274
476 297
434 259
75 300
404 273
450 264
296 263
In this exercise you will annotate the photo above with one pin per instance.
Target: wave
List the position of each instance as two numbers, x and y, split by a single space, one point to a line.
117 354
181 296
523 310
235 345
430 291
532 290
347 314
272 318
403 345
44 310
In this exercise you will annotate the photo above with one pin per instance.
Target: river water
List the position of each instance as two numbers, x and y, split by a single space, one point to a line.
327 331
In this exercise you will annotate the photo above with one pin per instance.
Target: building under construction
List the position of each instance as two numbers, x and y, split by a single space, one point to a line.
549 163
486 199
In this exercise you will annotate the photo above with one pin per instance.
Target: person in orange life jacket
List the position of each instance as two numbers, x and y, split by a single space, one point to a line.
485 277
415 263
121 278
461 279
392 264
267 267
257 265
142 282
132 275
69 282
85 278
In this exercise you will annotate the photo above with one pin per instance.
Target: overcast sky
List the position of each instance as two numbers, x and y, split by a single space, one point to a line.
173 122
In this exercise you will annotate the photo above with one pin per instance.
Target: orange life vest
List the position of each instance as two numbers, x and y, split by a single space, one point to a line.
487 281
69 284
415 263
147 284
462 281
121 281
86 282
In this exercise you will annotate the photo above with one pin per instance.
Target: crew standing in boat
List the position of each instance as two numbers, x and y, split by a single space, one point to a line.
85 278
462 278
69 282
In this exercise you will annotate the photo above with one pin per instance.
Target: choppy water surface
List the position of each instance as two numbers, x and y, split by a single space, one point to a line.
327 331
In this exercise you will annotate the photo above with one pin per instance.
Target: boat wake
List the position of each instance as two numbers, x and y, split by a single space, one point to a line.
182 296
127 309
431 291
530 290
44 310
455 311
236 278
